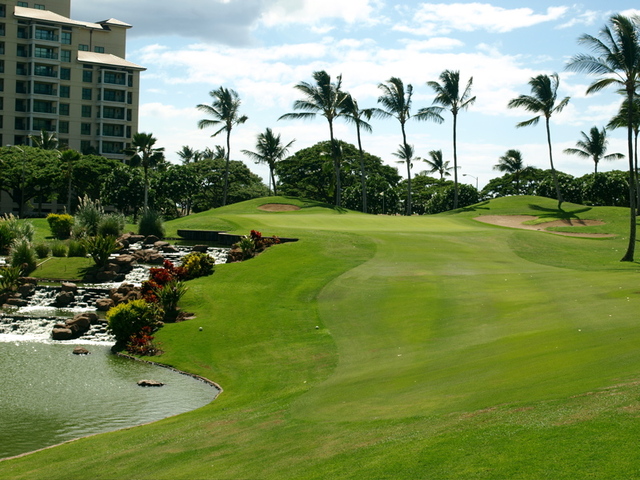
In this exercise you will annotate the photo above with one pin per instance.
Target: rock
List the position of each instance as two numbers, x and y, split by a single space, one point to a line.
104 304
61 334
26 290
106 276
149 383
63 299
160 244
80 351
150 240
125 260
170 249
69 287
200 248
135 238
28 280
17 302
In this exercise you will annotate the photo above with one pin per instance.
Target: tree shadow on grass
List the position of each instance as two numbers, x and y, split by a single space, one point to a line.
555 213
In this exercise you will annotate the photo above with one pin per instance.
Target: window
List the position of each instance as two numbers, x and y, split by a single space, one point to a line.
1 48
45 71
83 47
65 38
22 105
65 55
98 49
1 103
65 74
86 148
113 112
63 127
86 111
1 84
41 106
41 52
87 76
110 130
38 6
49 35
85 129
86 94
21 123
44 88
22 87
22 50
23 32
3 31
1 66
64 109
22 69
129 98
112 147
23 4
3 10
65 91
115 78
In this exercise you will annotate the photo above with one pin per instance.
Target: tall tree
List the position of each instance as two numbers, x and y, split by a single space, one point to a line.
143 153
406 154
45 140
188 154
225 111
437 164
544 93
511 162
69 159
354 114
325 98
616 60
269 150
593 146
449 95
621 120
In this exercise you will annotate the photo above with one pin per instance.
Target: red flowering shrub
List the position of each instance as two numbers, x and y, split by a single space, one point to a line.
141 343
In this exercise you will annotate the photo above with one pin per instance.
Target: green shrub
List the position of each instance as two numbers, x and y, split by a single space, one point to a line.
100 248
58 249
6 237
198 264
128 319
23 255
247 246
111 224
168 297
42 250
151 224
88 216
77 248
9 277
12 229
60 224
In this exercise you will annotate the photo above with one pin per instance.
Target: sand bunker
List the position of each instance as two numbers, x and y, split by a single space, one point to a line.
278 207
516 221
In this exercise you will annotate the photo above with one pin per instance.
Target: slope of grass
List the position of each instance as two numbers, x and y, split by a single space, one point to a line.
445 348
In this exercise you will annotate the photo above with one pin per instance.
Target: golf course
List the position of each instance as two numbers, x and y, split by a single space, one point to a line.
395 347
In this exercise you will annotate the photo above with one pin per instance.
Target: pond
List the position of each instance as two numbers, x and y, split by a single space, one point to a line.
49 395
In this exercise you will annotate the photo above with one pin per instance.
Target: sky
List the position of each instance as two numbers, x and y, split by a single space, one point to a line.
263 48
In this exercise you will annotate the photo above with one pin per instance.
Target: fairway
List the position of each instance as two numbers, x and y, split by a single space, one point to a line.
444 348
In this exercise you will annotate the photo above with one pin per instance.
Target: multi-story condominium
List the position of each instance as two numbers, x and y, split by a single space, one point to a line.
65 76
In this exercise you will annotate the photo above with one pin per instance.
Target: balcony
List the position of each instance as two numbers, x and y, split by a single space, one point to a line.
45 71
41 89
45 53
46 35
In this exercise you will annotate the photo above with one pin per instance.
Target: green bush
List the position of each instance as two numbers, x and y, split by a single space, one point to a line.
12 229
168 297
23 255
60 225
111 224
100 248
128 319
58 249
88 216
9 277
6 237
77 248
151 224
198 264
42 250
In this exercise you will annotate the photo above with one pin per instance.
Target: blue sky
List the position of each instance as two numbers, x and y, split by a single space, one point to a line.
262 48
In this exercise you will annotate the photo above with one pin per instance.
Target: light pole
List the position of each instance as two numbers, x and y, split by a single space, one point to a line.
24 161
467 175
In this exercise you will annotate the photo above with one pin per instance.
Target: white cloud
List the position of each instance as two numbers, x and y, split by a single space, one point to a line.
312 12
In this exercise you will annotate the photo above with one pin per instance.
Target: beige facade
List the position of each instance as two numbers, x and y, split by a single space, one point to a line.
65 76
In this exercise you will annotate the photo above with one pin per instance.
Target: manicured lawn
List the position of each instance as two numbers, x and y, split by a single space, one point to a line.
445 348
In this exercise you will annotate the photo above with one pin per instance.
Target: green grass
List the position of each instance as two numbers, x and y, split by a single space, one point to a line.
445 348
62 268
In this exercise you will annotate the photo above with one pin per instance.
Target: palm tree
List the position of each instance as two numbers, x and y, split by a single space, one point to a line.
594 146
225 111
437 164
449 96
269 150
69 157
353 114
188 154
142 152
324 98
620 120
617 63
406 153
46 140
544 93
396 103
511 162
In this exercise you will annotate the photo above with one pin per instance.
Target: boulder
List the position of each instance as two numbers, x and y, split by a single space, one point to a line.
170 249
200 248
106 276
149 383
150 240
26 290
160 244
80 351
125 260
104 304
17 301
61 334
69 287
28 280
64 299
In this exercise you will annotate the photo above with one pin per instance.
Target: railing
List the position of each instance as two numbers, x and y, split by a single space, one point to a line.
46 35
49 55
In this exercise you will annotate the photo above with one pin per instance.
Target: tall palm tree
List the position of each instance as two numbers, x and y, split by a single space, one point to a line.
448 95
269 150
621 120
437 164
593 146
352 113
322 98
406 154
225 111
143 152
616 61
69 157
188 154
45 140
511 162
544 93
396 103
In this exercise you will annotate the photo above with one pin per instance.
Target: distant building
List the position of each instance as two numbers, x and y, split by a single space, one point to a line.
65 76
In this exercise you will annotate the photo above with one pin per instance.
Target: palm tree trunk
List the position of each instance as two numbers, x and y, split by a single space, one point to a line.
455 162
553 170
635 159
336 166
363 174
408 160
146 186
69 195
226 169
628 256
